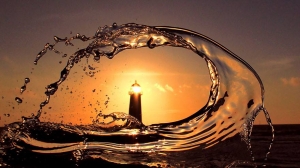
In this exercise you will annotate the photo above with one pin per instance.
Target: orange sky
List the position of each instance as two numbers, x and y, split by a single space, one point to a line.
170 90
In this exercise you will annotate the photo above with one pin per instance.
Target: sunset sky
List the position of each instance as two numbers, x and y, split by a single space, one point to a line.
175 82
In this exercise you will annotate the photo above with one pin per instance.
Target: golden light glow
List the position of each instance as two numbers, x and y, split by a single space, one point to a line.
136 89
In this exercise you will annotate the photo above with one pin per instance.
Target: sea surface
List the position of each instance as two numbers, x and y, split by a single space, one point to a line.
285 152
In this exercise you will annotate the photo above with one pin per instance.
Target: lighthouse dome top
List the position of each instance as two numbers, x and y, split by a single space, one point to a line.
135 89
136 84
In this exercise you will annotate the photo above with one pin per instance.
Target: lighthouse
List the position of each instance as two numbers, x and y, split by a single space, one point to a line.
135 107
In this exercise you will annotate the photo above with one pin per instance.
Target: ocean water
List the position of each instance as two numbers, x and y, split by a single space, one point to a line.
284 153
219 134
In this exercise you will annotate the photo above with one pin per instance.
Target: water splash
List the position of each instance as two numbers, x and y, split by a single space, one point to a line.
236 98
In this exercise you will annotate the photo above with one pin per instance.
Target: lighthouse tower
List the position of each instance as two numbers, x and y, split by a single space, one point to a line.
135 107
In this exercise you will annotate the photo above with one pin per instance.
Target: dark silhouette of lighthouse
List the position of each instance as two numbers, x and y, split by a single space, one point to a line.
135 107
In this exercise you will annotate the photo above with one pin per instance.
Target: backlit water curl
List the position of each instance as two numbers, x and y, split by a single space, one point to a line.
235 99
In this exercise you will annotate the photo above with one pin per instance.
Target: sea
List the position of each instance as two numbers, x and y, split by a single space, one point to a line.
285 152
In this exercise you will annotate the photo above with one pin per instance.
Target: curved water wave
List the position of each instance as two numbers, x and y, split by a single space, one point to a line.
235 99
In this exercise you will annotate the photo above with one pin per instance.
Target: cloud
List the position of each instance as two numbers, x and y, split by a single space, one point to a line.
169 88
286 61
159 87
185 86
164 88
293 81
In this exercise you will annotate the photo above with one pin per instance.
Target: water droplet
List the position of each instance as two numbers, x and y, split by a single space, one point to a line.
46 45
18 100
22 89
57 39
27 80
114 25
91 68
